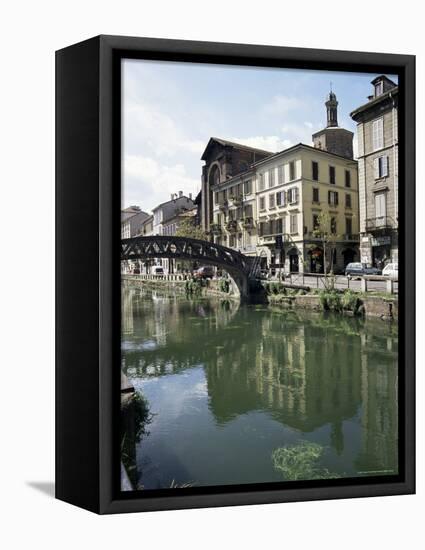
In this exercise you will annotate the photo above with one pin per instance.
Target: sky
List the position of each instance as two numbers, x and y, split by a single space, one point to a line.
170 110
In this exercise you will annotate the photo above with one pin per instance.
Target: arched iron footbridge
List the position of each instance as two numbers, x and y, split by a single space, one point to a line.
240 267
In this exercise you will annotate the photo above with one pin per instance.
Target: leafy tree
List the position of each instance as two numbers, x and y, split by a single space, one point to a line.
328 237
187 228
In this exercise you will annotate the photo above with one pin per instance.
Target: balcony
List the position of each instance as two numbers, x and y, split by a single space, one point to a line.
381 223
236 200
354 237
247 223
232 226
215 229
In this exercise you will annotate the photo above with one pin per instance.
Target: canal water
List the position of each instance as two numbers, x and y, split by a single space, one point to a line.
231 394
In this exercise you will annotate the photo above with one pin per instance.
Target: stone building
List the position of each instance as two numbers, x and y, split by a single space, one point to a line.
271 207
132 220
167 210
223 160
377 133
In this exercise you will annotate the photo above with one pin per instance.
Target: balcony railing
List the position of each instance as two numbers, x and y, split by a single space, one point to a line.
216 229
379 223
231 225
247 223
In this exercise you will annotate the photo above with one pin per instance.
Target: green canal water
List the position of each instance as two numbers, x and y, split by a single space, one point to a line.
230 394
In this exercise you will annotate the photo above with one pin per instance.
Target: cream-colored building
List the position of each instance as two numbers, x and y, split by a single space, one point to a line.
272 210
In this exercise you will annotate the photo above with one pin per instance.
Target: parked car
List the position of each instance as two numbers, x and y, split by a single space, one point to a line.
357 269
157 270
204 272
391 271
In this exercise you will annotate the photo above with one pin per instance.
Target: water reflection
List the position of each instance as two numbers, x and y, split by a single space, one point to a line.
228 385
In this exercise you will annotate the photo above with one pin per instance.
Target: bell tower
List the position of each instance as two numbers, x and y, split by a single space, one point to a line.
334 139
332 110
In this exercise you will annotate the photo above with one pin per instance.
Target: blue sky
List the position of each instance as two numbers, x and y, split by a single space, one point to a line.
170 110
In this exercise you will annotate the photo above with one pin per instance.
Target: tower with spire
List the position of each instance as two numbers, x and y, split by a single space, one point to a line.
334 139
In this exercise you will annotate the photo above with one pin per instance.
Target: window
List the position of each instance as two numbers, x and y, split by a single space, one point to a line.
271 200
315 170
261 228
232 240
293 223
347 178
379 88
333 226
280 175
380 209
279 226
248 211
316 194
271 177
292 195
332 174
348 200
247 187
262 203
261 182
333 198
348 226
292 170
378 133
315 221
216 197
380 165
280 198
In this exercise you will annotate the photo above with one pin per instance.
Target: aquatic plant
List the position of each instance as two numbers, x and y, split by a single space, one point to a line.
350 301
301 461
224 285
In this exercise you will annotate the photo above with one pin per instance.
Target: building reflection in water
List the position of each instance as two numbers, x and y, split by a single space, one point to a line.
305 371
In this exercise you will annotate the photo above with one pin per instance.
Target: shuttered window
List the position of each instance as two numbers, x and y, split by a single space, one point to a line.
271 200
381 167
333 198
262 203
293 195
261 182
315 170
271 177
316 194
280 198
293 223
332 174
378 133
280 175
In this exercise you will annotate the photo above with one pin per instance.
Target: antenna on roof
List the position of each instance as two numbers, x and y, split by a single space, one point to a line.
330 84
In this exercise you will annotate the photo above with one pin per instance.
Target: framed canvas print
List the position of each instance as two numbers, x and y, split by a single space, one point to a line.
235 274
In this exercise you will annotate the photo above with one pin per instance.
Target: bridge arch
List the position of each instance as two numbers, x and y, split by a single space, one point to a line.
238 266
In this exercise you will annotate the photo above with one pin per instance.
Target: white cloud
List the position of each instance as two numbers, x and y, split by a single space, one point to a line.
268 143
146 126
148 183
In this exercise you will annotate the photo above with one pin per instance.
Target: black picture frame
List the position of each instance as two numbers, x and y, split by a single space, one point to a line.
88 150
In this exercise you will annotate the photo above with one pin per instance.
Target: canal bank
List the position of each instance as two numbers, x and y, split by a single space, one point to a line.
277 294
380 306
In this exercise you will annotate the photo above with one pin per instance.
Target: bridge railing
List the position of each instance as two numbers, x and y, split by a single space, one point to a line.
156 277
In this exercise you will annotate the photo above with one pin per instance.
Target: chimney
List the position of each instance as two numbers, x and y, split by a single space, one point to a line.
180 193
190 196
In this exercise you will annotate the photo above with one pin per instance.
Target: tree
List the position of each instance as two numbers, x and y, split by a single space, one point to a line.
325 230
187 228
